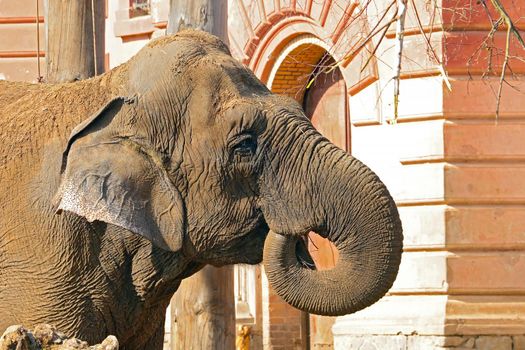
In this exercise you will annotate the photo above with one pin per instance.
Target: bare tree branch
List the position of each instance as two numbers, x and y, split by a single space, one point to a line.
400 31
511 30
503 70
431 49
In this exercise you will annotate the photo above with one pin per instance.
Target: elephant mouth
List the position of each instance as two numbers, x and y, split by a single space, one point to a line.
247 248
252 246
252 243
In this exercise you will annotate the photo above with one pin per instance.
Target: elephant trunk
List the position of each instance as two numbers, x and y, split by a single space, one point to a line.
354 210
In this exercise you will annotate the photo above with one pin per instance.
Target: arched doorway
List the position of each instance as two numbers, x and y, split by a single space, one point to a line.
310 75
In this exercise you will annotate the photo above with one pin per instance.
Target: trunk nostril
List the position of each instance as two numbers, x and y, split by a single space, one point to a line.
303 255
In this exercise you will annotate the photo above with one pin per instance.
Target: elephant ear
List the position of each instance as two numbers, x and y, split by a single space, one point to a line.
116 180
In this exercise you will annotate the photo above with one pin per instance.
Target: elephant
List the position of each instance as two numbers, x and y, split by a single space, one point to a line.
116 188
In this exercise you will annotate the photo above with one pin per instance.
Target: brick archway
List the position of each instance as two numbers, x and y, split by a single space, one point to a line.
294 66
299 68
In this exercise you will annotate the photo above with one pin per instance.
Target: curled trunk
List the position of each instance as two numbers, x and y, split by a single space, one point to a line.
354 211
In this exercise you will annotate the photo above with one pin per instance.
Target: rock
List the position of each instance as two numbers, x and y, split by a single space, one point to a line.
46 337
110 343
17 338
74 344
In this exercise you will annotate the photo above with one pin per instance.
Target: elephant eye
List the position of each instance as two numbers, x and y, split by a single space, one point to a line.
244 149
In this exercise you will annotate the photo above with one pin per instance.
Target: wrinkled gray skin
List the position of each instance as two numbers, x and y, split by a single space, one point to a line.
116 188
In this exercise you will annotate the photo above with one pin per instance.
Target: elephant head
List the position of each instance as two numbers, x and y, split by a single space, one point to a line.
196 155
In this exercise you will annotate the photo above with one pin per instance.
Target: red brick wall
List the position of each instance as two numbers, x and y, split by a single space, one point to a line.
282 324
18 40
295 71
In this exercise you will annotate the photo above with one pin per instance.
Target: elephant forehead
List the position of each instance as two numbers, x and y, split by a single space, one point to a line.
159 65
218 73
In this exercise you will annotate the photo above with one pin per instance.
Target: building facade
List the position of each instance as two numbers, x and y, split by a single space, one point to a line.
456 171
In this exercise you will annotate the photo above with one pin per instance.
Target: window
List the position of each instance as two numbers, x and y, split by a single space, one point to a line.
139 8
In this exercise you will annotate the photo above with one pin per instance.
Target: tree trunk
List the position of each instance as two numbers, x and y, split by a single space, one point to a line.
208 15
203 309
71 38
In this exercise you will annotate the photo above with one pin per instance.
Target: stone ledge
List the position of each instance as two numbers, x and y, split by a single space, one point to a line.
419 342
134 26
396 315
437 315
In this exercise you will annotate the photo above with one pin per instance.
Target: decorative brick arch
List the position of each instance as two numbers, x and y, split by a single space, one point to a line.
294 65
266 28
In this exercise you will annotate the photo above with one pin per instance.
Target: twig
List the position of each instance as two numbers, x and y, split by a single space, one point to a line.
511 29
503 70
373 33
382 34
353 53
431 49
400 29
485 45
373 53
490 48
